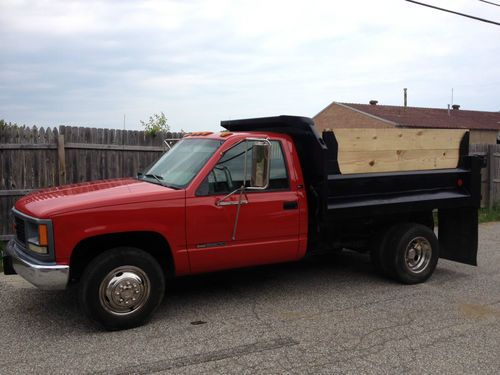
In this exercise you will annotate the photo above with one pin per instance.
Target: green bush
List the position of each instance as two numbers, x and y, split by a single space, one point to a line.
4 124
156 124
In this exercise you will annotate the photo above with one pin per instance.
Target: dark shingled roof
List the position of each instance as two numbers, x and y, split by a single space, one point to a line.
417 117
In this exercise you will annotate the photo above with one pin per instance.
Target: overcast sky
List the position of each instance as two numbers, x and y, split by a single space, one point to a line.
90 62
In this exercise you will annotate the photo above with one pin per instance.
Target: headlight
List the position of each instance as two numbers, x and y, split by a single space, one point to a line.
37 238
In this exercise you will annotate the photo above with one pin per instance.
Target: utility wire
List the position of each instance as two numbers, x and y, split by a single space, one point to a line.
451 11
489 2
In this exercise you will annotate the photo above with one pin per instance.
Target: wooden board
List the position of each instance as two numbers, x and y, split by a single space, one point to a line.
391 150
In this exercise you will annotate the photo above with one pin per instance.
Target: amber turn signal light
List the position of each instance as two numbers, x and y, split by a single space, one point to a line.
43 238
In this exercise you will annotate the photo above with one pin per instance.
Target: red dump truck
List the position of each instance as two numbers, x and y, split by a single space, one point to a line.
263 191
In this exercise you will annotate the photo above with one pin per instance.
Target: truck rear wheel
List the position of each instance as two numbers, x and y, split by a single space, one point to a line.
377 249
410 253
121 288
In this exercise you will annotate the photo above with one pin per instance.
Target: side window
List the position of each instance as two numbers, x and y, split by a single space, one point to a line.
227 175
278 175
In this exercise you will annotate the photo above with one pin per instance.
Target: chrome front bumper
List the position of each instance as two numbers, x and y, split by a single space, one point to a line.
48 276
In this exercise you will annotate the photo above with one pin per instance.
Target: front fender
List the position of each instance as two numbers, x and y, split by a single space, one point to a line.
166 218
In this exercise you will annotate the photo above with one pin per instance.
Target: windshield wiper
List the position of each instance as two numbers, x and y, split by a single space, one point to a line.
150 175
158 178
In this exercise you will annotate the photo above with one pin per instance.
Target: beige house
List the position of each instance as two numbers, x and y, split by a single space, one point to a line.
484 126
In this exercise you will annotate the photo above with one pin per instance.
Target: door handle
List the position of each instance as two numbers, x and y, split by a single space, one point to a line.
290 205
230 203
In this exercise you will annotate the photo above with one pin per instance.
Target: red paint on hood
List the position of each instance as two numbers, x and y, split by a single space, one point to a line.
68 198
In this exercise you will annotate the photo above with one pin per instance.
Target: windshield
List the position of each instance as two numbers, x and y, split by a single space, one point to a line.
179 166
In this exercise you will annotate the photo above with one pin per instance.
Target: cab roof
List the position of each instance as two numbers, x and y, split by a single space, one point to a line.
224 135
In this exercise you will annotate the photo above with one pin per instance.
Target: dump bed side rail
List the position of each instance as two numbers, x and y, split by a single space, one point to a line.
359 195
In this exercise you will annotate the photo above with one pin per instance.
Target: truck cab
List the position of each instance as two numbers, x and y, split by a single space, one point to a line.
204 206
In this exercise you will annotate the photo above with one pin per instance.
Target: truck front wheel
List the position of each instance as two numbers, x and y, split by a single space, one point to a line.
411 253
121 288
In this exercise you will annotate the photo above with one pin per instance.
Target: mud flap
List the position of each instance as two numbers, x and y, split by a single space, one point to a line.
458 234
7 266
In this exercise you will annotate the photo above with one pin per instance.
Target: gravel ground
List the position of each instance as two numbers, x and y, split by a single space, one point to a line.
333 314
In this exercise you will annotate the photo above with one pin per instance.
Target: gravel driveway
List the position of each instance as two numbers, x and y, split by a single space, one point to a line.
332 314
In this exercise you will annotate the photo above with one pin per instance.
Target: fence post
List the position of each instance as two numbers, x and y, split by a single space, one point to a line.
491 175
62 159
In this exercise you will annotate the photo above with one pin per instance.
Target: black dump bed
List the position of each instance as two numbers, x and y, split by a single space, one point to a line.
335 197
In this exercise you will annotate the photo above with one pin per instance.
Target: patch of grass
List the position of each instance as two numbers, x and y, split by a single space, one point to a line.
486 215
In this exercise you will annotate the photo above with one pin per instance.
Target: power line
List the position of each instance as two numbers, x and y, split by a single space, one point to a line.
451 11
489 2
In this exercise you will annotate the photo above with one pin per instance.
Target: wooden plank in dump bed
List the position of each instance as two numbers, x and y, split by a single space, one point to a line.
392 150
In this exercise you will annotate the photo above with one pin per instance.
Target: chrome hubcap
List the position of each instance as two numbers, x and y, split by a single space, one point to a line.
124 290
418 254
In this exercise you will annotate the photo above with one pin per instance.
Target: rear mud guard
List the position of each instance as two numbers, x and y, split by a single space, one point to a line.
458 234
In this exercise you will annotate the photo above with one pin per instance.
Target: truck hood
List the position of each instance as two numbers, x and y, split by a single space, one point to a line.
88 195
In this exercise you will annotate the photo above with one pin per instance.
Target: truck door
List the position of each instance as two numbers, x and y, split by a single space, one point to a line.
267 229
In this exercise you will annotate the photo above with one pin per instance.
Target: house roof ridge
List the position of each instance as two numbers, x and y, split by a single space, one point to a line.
412 107
398 115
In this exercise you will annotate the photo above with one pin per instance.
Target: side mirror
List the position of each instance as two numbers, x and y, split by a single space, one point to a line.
261 159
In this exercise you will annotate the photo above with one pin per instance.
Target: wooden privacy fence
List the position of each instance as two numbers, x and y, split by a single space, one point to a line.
490 176
32 158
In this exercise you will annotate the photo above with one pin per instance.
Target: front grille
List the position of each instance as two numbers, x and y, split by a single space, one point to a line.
20 229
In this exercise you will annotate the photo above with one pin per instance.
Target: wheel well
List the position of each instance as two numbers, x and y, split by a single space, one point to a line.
151 242
424 218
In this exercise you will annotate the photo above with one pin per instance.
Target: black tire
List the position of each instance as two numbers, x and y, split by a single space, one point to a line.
378 248
120 276
410 253
375 250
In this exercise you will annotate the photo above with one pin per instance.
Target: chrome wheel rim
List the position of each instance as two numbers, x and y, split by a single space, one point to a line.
418 254
124 290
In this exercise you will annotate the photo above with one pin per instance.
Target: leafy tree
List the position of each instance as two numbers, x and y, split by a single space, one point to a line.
156 124
4 124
